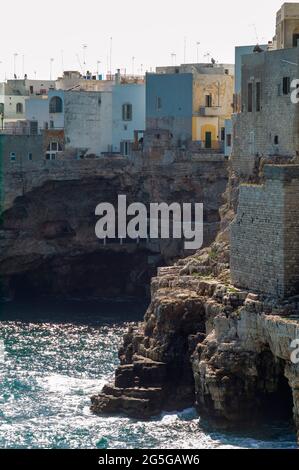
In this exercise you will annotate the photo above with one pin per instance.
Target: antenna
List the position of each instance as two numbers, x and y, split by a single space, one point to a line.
173 59
255 32
185 48
111 39
208 55
15 64
133 66
62 61
84 55
79 62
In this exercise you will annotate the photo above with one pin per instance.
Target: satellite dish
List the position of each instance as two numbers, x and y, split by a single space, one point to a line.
213 61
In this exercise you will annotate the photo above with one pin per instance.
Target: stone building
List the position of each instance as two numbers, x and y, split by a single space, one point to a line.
267 125
287 26
264 234
191 103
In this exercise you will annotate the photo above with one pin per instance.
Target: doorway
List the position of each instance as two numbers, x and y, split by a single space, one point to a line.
208 140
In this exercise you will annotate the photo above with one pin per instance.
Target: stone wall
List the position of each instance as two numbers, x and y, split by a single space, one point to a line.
272 131
264 234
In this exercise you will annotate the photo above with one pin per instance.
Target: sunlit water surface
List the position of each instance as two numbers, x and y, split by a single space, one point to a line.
58 355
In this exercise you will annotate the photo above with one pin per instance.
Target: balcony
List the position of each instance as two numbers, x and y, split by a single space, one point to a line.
209 111
207 147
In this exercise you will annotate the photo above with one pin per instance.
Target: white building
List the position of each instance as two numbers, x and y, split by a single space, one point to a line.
15 93
94 122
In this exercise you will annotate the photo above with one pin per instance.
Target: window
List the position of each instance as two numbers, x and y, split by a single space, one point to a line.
158 103
276 140
1 108
52 150
12 156
127 112
55 105
125 147
31 89
30 157
249 98
209 101
228 140
258 96
222 134
33 127
19 108
51 124
50 156
286 85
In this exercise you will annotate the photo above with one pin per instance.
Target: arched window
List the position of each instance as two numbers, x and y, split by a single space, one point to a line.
19 108
55 105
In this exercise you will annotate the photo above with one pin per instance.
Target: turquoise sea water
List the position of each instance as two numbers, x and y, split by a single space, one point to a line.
58 355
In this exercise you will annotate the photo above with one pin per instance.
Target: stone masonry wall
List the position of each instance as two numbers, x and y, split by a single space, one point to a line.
264 234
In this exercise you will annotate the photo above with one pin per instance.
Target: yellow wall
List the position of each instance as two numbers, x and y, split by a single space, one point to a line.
201 125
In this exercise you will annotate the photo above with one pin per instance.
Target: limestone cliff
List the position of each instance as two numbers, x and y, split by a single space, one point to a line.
206 343
47 235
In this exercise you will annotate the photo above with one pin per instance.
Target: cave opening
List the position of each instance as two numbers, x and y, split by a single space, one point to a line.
105 274
275 394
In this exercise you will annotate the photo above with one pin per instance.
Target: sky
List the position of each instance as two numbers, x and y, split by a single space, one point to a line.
38 38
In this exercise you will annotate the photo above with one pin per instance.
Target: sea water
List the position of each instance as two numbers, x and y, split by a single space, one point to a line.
58 354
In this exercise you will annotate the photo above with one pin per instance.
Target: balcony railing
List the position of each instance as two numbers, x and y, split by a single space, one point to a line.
207 146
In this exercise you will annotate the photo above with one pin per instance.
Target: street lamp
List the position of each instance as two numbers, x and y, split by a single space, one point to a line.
197 51
51 66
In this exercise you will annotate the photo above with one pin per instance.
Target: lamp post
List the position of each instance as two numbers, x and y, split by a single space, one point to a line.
51 66
197 51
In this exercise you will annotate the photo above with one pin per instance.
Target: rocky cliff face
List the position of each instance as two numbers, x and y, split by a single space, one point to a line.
205 343
47 235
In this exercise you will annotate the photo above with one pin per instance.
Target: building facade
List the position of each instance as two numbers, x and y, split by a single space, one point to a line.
191 103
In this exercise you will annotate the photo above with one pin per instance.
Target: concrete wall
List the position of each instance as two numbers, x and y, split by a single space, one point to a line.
265 234
88 118
175 114
124 130
21 145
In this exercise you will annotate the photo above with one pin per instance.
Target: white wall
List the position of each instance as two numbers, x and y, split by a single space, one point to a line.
37 109
88 117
